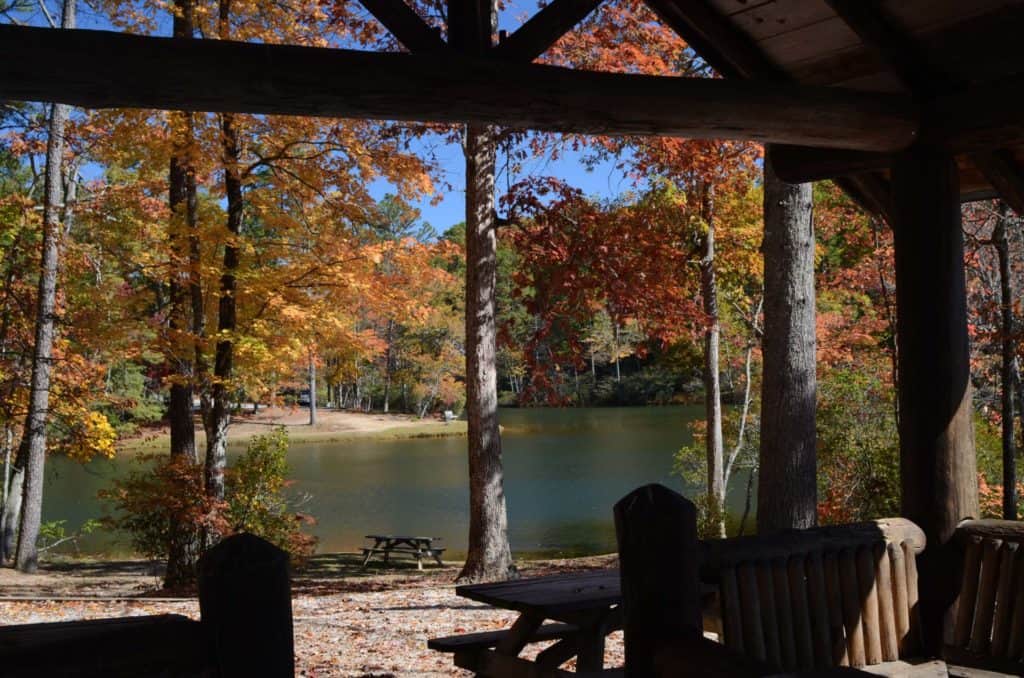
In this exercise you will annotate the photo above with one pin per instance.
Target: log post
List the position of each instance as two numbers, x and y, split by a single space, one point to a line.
246 607
658 561
937 459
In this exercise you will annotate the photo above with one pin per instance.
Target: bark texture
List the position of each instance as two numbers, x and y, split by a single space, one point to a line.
787 485
712 383
184 547
937 460
223 368
34 438
489 556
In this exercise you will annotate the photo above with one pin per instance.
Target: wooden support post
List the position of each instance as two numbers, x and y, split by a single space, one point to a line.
787 483
937 460
246 606
658 561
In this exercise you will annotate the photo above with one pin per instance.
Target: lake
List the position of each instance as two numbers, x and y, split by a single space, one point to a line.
564 469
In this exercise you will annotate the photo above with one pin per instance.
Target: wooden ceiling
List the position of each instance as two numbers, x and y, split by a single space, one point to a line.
846 83
923 48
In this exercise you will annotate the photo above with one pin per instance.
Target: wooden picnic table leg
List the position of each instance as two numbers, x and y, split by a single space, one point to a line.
369 554
594 628
519 634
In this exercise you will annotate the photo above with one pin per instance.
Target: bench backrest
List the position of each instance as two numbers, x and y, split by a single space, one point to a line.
989 618
842 595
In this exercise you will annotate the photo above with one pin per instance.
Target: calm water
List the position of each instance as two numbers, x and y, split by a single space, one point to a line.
564 469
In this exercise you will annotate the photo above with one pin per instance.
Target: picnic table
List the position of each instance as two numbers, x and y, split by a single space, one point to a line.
417 547
584 608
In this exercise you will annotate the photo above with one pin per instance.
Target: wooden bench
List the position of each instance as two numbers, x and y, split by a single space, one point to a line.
846 595
488 639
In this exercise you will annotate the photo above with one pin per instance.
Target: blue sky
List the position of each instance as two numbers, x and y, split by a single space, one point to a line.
602 180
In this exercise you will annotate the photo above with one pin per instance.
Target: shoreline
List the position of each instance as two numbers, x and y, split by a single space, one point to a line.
332 426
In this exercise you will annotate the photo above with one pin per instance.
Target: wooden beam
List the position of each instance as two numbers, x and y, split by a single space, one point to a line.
544 29
734 55
1005 176
937 457
723 46
798 164
982 118
871 191
406 25
471 26
39 64
867 19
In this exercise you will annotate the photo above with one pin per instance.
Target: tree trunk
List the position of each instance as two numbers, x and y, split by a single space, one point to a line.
220 415
938 469
34 438
1007 373
615 347
183 552
489 555
389 357
712 386
787 487
312 390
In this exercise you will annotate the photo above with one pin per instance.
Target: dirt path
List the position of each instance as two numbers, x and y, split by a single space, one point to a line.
348 622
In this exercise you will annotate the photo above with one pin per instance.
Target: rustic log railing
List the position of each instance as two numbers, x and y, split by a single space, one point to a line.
246 628
811 599
988 631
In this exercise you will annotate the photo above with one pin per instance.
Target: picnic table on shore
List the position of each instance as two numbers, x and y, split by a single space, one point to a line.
584 609
417 547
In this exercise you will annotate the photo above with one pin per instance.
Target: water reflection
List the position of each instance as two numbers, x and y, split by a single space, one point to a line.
564 470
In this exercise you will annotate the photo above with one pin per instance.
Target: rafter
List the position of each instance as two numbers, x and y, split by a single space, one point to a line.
945 117
544 29
718 42
732 54
1003 172
867 19
406 25
215 75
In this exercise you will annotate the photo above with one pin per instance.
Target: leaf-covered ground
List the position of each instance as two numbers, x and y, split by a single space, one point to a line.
347 622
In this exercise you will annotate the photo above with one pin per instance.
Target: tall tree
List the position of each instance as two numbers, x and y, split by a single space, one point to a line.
489 555
1008 351
185 305
712 386
787 485
471 28
33 443
219 416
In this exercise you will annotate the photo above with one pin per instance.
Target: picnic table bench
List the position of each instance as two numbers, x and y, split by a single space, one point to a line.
417 547
584 608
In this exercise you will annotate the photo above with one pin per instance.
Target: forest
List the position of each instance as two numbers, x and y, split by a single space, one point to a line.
174 269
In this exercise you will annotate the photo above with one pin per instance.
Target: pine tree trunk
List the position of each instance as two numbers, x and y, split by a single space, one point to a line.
787 487
184 547
312 391
34 438
489 556
1007 376
712 386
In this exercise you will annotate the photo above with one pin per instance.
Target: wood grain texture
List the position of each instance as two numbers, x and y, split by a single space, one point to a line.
886 606
868 581
224 76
